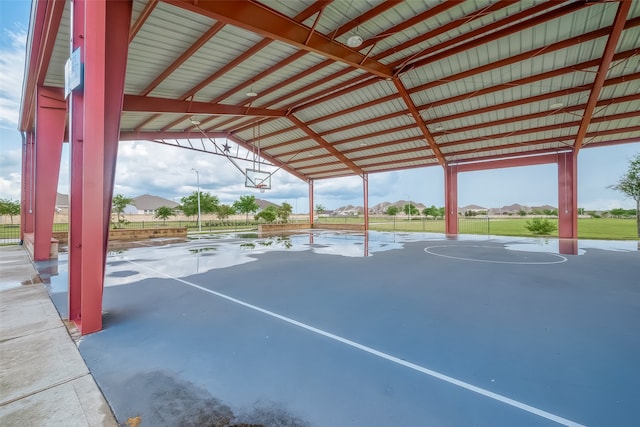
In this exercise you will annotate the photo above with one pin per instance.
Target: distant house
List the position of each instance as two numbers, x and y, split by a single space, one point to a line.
62 203
147 204
263 204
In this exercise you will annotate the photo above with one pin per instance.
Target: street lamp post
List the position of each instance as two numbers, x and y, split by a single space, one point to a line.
199 217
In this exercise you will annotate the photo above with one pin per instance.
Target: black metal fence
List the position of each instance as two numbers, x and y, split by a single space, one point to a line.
10 233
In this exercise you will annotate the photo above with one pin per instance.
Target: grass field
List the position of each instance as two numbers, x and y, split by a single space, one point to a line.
588 228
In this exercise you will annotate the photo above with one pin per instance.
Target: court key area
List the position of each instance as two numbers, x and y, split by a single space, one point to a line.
326 328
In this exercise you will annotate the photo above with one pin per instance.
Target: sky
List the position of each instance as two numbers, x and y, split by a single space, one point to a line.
170 173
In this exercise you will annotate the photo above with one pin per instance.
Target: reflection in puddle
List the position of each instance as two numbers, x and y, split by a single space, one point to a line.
201 250
182 258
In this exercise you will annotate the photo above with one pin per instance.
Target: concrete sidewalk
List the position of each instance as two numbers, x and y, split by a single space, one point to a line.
43 379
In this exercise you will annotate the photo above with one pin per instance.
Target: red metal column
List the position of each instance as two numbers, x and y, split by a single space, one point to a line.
26 202
51 114
568 195
365 187
103 96
451 199
311 203
76 112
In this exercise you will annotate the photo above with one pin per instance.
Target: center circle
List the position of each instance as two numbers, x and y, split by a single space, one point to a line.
495 255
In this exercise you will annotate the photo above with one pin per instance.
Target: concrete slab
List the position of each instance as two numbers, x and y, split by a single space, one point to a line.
26 310
37 361
74 403
16 268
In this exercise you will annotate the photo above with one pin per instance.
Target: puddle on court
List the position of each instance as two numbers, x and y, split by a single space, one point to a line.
128 263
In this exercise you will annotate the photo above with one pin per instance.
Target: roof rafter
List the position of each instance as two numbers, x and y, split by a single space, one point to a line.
258 19
324 144
215 28
603 69
433 145
458 45
315 8
142 18
164 105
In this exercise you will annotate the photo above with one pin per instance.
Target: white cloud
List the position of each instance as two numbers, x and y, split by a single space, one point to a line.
11 73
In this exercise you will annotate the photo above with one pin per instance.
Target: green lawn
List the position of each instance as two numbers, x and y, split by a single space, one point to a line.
588 228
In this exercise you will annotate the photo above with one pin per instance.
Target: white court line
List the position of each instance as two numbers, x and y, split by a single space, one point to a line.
435 374
428 250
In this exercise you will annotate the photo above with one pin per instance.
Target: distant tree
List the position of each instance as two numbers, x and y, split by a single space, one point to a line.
550 212
9 207
246 205
164 213
410 209
522 212
392 210
269 214
224 211
629 184
284 211
430 211
541 226
119 204
319 209
208 204
617 212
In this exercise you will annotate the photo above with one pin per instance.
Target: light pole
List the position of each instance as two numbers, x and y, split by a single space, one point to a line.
199 217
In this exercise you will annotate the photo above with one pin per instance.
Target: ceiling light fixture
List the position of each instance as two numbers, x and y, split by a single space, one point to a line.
438 128
252 94
194 121
556 105
354 41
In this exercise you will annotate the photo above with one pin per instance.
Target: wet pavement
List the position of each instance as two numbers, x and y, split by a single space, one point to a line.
341 329
43 379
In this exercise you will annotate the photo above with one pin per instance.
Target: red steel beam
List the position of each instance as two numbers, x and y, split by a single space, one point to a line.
567 194
183 58
165 105
42 36
507 163
479 41
50 126
315 8
150 136
324 144
399 64
517 58
506 105
603 68
260 20
451 199
433 145
358 82
142 18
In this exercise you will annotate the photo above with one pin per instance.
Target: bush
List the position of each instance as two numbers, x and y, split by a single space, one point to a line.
541 226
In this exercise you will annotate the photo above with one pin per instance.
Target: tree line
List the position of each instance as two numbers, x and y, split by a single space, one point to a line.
209 204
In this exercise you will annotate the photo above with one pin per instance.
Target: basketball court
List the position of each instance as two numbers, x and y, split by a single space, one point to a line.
337 329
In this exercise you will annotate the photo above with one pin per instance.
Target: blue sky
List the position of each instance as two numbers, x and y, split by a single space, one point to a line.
170 174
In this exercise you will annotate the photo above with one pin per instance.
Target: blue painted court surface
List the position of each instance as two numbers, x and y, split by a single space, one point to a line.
335 329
